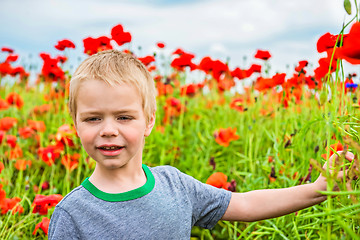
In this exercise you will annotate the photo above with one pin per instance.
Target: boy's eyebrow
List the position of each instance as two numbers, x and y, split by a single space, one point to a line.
116 112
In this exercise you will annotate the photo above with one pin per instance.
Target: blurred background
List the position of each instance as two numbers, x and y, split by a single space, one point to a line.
229 30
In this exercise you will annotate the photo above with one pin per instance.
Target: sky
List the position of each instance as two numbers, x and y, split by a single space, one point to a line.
227 30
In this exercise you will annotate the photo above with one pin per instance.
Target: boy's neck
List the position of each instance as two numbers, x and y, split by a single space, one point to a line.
118 180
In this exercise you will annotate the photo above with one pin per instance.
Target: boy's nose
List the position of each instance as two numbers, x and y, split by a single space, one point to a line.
109 129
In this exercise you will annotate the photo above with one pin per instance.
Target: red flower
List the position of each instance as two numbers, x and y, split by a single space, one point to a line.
215 67
336 146
225 136
301 66
6 49
50 70
147 60
71 162
50 153
11 140
65 43
95 45
22 164
38 126
237 104
26 132
43 225
264 55
118 34
184 60
9 204
12 58
190 89
218 180
160 45
15 99
178 51
327 42
1 168
42 203
350 51
7 123
4 104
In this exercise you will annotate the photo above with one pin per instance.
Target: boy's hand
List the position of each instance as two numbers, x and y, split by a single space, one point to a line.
333 165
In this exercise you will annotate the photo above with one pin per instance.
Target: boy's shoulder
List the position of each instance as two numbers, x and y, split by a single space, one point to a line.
78 196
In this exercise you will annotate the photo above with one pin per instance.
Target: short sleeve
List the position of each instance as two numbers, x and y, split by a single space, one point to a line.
62 226
209 203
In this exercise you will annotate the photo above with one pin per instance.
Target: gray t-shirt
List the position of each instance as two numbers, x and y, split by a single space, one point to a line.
166 207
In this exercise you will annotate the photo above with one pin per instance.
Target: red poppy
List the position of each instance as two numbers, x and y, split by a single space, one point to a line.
42 203
10 204
6 49
164 89
95 45
241 74
38 126
215 67
41 109
11 140
350 51
26 132
7 123
1 168
237 104
189 89
4 104
301 66
118 34
50 153
324 64
261 54
218 180
12 58
15 153
184 60
50 70
224 136
15 99
327 42
147 60
5 68
22 164
19 71
336 146
172 108
71 162
160 45
61 59
43 225
178 51
65 43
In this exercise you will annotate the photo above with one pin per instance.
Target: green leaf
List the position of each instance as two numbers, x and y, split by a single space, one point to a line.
347 6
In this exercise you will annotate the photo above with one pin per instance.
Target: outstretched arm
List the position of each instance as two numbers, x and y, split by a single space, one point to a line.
269 203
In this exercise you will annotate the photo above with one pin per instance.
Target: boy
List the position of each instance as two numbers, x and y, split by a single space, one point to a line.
112 103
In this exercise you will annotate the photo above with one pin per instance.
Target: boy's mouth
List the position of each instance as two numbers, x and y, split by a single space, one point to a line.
110 150
110 147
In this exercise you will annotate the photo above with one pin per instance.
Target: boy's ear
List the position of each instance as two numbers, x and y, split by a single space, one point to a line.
150 125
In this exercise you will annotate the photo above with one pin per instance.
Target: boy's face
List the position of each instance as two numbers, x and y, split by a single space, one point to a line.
111 124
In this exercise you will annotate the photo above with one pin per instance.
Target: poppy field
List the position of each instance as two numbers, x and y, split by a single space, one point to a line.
276 132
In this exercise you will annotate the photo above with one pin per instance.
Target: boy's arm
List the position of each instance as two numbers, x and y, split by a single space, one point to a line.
269 203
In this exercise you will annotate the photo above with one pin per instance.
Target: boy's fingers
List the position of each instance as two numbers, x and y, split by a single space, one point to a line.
349 156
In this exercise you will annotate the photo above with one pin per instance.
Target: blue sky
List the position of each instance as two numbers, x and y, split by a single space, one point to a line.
220 29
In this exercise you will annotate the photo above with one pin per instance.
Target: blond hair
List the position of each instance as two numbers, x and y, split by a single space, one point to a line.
115 67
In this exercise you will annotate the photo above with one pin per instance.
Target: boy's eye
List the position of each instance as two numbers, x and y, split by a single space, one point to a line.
92 119
124 118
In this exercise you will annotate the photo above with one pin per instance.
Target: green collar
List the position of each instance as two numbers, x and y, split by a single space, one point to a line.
125 196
